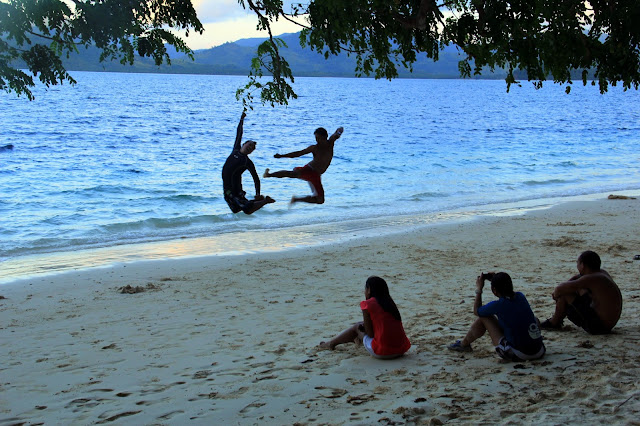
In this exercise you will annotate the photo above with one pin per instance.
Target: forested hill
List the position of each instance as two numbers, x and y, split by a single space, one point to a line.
235 59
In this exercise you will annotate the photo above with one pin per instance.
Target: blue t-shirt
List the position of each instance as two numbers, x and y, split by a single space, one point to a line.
517 321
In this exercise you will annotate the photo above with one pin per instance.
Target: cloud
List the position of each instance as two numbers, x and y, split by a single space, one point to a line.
217 33
210 11
218 10
226 21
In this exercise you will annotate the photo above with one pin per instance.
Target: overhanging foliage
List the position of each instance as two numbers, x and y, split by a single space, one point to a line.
39 32
549 40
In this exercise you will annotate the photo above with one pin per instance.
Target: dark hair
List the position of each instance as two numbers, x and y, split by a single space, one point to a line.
591 260
378 288
501 283
322 132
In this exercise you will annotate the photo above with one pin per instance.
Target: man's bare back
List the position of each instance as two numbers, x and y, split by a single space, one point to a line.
605 295
322 155
591 299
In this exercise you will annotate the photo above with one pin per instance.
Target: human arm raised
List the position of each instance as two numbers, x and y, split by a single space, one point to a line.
336 134
477 303
295 154
238 142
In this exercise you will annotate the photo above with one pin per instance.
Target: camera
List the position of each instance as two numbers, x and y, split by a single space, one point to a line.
487 276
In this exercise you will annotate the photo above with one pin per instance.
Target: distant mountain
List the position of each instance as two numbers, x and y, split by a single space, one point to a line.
305 62
235 59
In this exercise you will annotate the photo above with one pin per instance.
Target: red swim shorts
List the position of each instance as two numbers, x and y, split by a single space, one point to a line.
311 176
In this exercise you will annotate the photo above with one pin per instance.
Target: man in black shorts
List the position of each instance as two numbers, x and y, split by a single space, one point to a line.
591 299
232 171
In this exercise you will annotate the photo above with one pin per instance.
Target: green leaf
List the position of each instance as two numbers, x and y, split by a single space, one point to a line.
39 32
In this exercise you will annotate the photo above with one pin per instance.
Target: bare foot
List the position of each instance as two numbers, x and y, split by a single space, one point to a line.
266 173
326 345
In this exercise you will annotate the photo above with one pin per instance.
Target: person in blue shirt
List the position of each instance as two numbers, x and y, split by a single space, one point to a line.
512 326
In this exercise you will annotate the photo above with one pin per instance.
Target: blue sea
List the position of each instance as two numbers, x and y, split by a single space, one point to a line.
125 167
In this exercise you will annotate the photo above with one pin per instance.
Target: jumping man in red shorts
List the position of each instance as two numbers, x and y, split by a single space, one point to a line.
322 155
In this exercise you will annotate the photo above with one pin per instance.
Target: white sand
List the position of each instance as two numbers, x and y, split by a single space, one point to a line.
231 340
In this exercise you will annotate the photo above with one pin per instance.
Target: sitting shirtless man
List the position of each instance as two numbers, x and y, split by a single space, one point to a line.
590 300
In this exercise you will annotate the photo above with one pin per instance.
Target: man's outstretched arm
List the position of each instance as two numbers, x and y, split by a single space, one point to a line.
238 142
295 154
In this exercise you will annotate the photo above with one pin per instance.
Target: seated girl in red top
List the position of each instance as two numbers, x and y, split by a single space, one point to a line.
381 332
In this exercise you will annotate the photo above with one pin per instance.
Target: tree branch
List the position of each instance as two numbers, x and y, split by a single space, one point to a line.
286 16
50 38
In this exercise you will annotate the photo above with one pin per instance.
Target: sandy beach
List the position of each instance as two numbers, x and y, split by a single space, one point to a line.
232 340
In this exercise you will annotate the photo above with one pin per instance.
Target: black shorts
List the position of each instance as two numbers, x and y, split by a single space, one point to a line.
238 202
582 314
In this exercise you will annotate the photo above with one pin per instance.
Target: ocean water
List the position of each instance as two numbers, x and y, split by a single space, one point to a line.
124 159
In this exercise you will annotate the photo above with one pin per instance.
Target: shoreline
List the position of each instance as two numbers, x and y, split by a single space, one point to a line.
233 339
265 241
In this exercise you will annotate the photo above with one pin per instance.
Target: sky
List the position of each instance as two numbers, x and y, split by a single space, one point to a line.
227 20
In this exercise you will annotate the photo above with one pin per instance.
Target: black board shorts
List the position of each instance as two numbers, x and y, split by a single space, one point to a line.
582 314
238 202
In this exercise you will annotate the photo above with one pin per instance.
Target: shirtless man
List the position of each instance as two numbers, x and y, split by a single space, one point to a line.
322 155
590 300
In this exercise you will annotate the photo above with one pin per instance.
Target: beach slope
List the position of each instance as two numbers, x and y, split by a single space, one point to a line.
232 340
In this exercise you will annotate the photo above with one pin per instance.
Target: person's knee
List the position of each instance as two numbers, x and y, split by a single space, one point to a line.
320 199
488 321
251 208
480 321
567 298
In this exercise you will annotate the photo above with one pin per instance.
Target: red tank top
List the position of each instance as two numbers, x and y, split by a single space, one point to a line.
388 334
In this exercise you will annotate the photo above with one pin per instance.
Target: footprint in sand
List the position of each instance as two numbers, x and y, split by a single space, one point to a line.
111 346
360 399
259 379
252 406
210 395
335 392
117 416
240 391
170 414
82 402
202 374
